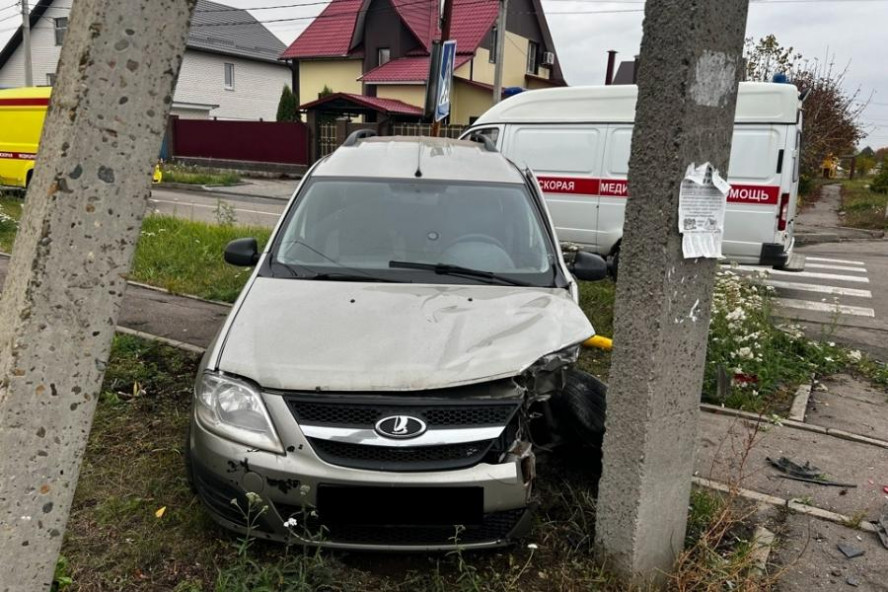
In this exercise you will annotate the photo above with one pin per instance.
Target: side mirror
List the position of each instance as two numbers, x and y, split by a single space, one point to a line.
243 252
588 267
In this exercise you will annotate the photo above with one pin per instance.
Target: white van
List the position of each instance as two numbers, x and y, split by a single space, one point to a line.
577 141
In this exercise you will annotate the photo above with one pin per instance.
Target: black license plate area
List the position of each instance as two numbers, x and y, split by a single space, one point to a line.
400 506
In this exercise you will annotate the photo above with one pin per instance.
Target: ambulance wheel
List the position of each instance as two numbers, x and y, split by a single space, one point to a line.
579 409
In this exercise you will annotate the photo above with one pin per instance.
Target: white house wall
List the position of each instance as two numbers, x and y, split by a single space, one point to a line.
44 51
257 85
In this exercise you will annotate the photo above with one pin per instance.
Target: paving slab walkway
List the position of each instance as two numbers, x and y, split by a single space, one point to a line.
720 454
851 404
808 556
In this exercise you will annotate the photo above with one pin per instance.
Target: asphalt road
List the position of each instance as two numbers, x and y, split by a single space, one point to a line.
193 205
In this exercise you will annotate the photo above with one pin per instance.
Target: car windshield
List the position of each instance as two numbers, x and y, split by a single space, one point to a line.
424 231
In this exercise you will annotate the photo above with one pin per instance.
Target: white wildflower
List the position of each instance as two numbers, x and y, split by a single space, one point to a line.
854 355
290 523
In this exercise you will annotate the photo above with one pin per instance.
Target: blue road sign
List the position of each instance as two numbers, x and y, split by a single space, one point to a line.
445 80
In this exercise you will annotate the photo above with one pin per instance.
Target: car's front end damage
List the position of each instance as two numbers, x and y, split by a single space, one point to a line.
339 483
330 468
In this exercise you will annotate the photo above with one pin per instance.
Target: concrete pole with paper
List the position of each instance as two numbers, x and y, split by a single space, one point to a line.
687 90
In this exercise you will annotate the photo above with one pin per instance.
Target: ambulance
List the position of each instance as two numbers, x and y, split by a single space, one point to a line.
22 111
577 141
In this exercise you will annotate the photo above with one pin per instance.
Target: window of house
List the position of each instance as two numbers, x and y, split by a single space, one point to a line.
61 27
383 56
50 79
533 53
229 76
493 44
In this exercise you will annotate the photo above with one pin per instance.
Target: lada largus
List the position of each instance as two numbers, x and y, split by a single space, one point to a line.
383 377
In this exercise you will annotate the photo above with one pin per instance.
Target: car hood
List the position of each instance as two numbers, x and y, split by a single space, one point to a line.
350 336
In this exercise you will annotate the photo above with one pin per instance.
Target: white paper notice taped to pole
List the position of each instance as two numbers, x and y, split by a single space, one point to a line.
701 211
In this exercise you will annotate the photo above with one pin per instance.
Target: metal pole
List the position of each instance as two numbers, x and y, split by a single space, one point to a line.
445 36
500 51
26 42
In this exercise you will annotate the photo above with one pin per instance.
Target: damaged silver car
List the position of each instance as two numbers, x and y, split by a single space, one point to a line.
407 337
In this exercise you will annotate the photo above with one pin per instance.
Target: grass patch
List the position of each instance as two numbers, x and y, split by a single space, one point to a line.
10 212
862 207
134 467
185 257
597 301
193 175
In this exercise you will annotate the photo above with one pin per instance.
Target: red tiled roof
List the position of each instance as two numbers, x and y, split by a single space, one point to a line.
375 103
471 22
420 18
405 70
330 34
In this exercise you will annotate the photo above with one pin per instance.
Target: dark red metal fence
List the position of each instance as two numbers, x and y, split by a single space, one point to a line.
255 141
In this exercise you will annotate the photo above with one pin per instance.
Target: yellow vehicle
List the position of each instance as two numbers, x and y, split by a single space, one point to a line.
22 111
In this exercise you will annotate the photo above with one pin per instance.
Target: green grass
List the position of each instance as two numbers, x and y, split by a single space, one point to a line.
134 467
10 212
597 301
185 257
862 207
192 175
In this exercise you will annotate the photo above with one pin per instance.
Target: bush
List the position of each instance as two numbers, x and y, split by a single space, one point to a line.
880 183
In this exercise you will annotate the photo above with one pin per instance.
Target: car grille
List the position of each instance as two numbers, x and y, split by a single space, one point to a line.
495 526
390 458
349 414
452 410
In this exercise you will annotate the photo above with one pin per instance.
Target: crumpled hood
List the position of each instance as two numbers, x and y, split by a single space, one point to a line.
351 336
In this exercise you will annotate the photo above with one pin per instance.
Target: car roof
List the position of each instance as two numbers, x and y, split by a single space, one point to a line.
401 157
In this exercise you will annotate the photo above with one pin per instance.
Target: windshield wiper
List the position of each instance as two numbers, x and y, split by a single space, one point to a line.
457 270
339 276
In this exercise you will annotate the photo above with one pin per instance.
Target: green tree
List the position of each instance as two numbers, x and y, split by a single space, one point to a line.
288 107
831 117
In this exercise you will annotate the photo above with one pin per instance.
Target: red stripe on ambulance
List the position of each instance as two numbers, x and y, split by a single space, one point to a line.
746 194
569 185
18 155
24 102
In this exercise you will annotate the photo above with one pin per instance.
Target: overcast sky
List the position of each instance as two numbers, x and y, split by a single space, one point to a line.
851 33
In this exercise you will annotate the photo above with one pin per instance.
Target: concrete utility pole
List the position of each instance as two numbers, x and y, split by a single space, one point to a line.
26 43
690 66
66 279
500 50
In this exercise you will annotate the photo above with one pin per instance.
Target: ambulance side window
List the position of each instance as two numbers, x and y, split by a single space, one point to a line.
619 147
550 149
490 132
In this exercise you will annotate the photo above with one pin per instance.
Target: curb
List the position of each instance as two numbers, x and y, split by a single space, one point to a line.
762 543
162 290
178 295
195 349
214 191
800 403
789 423
792 504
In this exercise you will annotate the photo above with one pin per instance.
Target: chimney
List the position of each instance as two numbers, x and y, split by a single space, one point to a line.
609 75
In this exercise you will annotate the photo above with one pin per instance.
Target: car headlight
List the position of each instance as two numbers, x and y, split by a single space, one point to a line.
234 409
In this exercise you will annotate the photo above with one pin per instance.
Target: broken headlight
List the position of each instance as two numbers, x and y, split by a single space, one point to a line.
234 409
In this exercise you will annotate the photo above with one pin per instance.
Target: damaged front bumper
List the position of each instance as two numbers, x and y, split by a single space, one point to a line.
466 483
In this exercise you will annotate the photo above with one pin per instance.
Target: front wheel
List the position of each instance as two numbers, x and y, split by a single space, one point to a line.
579 409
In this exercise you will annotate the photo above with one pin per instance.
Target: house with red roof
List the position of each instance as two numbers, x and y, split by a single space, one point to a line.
376 53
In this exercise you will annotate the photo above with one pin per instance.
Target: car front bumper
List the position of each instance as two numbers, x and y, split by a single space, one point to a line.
289 484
